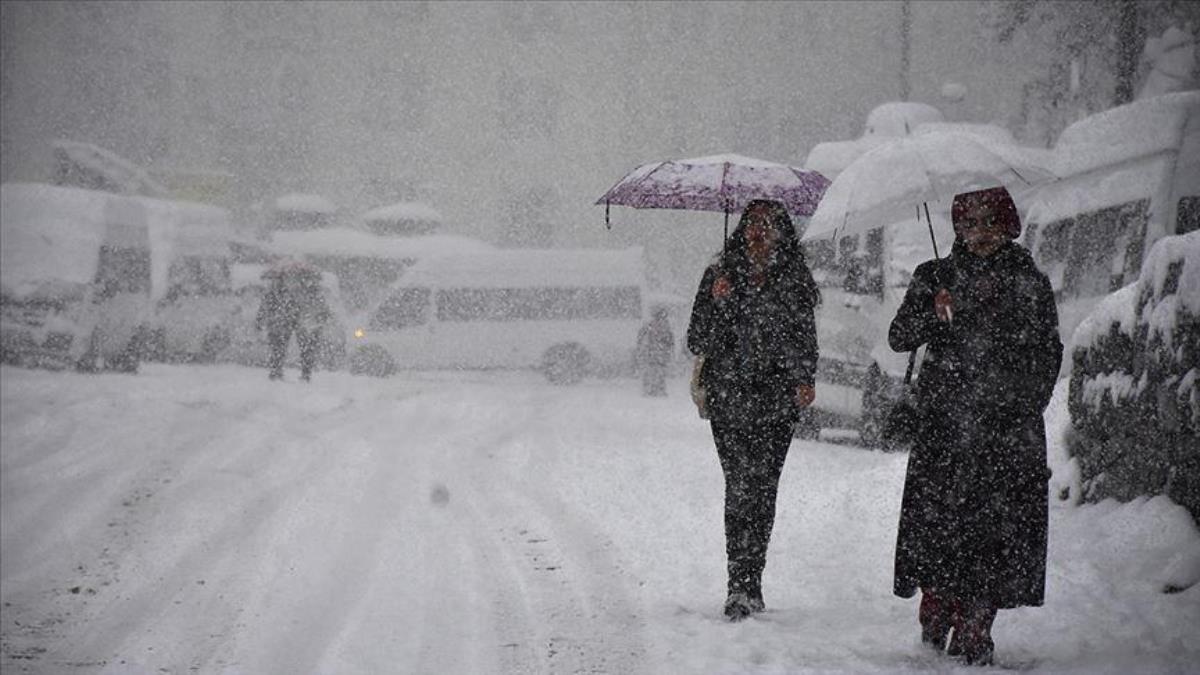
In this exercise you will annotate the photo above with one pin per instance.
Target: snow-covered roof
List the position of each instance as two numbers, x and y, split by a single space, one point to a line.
350 242
122 174
832 157
1069 198
899 118
1135 129
525 268
404 211
890 120
48 235
304 203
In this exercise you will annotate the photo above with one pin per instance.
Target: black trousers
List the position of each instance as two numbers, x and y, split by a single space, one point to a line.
306 340
752 460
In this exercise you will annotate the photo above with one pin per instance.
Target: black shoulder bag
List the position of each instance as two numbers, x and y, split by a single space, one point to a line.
903 421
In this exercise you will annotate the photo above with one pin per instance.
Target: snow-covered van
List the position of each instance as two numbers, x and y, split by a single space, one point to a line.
192 290
75 277
63 246
1128 177
569 313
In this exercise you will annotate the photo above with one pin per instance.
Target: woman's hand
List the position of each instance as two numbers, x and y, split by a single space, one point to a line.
943 305
805 393
721 288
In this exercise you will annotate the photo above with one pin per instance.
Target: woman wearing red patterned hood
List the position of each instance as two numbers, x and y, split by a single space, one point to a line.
973 521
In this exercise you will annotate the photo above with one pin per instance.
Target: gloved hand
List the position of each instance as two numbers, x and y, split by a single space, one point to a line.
805 394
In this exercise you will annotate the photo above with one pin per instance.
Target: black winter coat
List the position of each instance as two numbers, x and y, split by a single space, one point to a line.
759 343
973 521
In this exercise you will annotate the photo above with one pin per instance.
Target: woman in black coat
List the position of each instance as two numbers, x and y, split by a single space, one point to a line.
752 322
973 520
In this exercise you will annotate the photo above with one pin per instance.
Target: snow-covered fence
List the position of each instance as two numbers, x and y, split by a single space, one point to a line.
1134 405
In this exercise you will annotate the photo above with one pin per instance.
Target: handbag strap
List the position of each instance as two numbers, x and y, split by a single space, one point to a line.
912 361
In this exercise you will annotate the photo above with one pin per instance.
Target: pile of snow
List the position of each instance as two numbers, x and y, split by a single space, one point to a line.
296 202
344 241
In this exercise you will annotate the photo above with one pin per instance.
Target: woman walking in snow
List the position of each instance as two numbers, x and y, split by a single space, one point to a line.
752 324
973 521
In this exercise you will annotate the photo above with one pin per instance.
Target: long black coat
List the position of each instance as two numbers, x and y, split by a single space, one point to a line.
973 520
759 343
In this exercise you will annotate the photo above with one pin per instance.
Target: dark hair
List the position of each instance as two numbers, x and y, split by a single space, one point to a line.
790 264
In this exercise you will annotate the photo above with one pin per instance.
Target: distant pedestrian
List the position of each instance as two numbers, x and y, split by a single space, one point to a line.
753 325
293 304
655 345
973 521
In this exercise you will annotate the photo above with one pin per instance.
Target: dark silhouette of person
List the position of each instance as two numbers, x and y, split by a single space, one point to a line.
655 344
753 325
973 523
293 304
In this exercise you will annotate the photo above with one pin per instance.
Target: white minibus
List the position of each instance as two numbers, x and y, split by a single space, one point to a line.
569 313
1128 176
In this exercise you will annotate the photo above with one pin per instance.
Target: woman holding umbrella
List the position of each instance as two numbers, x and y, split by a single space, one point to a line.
752 323
973 521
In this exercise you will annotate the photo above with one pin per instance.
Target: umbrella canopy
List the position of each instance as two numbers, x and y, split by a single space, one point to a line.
717 183
889 181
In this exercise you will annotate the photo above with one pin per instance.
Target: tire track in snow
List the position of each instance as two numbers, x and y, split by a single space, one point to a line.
579 617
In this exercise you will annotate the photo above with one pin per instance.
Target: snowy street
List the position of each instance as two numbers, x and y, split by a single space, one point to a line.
194 519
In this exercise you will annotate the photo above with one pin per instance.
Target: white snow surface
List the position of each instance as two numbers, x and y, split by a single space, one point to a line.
203 519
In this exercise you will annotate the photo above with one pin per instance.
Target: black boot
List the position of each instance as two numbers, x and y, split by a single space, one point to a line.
738 606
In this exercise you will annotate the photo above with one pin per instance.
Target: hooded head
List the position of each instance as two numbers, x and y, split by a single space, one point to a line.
993 205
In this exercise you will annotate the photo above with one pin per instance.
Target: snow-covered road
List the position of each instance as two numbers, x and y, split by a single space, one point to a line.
206 520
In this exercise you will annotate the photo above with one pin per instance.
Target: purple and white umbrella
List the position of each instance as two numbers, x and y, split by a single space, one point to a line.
717 183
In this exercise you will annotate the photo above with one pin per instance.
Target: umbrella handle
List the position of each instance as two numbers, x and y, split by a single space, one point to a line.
929 223
607 223
725 241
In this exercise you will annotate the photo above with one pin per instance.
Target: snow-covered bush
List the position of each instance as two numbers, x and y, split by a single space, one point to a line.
1133 398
